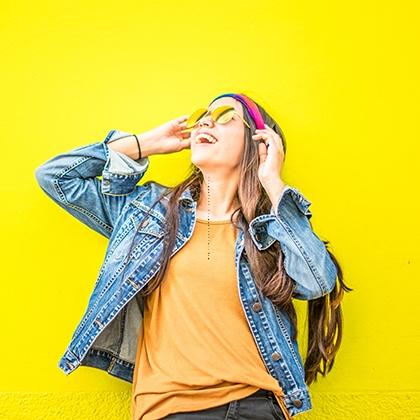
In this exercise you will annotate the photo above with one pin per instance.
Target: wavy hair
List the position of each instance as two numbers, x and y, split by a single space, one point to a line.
324 314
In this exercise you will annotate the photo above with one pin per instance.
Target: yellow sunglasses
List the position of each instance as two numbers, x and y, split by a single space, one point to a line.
221 115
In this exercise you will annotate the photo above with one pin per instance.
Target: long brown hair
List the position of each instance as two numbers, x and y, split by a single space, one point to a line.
324 315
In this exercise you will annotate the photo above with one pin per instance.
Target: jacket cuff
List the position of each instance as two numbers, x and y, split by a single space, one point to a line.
292 198
298 198
121 173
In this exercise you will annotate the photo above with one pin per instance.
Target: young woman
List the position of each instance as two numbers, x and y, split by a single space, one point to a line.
198 279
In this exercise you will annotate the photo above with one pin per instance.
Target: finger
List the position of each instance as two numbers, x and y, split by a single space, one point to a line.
186 144
186 135
274 142
278 143
261 136
277 137
274 135
186 132
183 129
262 151
270 130
262 132
180 120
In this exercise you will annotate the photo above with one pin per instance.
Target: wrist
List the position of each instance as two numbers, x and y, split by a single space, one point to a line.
274 189
147 144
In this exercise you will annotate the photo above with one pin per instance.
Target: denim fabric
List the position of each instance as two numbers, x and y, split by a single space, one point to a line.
106 336
261 405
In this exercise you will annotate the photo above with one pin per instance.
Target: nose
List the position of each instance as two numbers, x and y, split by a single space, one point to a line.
206 120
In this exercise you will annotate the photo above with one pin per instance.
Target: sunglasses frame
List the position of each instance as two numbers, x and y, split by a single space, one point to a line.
214 119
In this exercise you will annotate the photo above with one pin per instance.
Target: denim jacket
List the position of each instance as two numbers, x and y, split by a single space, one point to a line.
106 336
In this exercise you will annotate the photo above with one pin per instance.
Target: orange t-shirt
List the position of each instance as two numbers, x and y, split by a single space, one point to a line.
195 348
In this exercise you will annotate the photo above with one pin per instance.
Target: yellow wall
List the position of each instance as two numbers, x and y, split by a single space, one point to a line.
341 78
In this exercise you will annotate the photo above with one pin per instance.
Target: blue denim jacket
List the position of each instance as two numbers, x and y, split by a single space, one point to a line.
106 336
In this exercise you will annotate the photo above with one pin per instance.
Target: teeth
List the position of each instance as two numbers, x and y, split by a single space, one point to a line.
211 139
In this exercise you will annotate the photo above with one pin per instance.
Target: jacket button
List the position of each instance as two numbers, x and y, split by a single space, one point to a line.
256 306
297 403
276 356
105 182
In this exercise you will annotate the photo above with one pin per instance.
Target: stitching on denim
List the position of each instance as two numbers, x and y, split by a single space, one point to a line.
125 229
313 269
272 340
112 315
63 198
287 337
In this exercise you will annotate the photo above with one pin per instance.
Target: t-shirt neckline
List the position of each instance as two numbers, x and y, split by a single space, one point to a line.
213 222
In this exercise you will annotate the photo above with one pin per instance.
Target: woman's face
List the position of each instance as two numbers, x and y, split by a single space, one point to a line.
227 151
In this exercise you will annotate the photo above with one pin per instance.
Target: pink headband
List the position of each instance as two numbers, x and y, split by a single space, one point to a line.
250 105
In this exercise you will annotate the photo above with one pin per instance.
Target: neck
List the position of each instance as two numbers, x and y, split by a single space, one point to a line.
217 199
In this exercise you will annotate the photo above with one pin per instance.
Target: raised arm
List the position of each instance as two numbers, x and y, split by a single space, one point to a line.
70 179
306 259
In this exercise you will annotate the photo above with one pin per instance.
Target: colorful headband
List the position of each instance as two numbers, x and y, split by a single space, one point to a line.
250 105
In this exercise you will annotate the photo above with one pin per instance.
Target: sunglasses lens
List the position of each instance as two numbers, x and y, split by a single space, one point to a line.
195 117
223 114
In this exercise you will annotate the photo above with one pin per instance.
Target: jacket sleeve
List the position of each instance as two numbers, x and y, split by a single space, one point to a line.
306 259
71 180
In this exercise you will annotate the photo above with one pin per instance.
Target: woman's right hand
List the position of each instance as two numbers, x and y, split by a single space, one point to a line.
169 137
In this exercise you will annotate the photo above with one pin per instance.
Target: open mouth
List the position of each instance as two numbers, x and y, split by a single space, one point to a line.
205 139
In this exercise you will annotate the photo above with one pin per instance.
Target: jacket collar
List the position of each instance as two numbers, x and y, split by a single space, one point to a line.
186 195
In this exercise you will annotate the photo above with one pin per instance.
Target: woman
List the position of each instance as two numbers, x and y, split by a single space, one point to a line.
213 264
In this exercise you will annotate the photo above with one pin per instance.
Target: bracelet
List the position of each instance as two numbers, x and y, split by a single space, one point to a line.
138 145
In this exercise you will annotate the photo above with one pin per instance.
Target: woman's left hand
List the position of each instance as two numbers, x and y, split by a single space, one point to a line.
271 155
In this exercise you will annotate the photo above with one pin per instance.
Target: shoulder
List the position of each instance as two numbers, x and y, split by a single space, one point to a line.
152 191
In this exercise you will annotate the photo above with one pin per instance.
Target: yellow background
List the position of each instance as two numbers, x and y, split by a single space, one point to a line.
341 78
